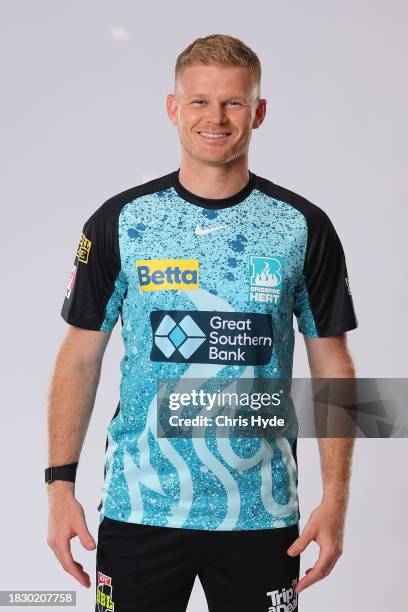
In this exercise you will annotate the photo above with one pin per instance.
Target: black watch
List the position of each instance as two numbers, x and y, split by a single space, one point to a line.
61 472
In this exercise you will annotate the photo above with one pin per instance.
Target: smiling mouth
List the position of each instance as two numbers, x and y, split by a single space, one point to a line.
214 136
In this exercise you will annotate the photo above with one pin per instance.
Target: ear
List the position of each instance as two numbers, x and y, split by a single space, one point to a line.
259 113
171 105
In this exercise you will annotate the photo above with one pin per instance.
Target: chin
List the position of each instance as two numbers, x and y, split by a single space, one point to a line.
219 156
212 158
214 161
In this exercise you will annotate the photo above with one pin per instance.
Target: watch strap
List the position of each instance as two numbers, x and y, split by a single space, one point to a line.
61 472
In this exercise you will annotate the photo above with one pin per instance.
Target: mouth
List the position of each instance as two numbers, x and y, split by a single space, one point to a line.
215 136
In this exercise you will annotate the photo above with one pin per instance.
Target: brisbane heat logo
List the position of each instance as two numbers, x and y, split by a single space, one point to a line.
265 279
104 593
159 274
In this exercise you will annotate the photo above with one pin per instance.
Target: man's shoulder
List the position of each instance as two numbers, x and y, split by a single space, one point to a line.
311 211
110 210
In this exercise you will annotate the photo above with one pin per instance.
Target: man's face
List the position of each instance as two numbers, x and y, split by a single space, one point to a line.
215 109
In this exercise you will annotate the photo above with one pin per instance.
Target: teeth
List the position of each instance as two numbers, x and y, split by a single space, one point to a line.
209 135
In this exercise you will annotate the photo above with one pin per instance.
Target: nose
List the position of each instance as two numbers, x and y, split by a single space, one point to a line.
215 113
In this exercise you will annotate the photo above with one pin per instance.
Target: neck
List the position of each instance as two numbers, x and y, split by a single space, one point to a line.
214 182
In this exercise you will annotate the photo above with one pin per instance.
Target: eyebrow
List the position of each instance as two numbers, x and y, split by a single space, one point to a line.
202 95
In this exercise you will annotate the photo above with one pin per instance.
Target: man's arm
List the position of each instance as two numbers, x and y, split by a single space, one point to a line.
328 358
71 399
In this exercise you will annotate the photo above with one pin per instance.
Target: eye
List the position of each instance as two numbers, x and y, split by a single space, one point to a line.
235 103
197 101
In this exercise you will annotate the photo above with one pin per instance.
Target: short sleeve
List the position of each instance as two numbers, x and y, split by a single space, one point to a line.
96 286
323 303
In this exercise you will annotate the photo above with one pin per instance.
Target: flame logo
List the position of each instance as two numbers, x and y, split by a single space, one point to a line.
266 277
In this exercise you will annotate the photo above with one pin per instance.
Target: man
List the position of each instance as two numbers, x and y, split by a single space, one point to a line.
208 247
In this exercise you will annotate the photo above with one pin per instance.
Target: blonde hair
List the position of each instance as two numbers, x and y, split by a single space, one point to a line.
219 49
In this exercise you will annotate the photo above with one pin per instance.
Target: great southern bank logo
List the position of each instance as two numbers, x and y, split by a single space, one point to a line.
184 336
159 274
211 337
265 279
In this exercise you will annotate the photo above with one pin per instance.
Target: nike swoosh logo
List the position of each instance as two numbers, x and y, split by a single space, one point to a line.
202 231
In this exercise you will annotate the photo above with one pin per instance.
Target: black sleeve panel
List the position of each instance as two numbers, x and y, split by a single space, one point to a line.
96 268
325 275
97 286
326 278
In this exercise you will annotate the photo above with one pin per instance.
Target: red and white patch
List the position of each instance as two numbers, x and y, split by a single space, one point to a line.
104 579
71 282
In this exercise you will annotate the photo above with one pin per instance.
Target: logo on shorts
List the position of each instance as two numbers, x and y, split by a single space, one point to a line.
159 274
83 249
71 282
283 600
104 593
265 279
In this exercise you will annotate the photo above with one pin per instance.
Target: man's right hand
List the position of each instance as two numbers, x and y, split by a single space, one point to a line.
66 519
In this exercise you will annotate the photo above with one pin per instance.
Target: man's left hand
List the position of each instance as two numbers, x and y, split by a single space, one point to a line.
326 527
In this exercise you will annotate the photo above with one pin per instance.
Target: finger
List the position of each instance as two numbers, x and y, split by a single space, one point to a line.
299 545
63 553
88 579
85 536
320 570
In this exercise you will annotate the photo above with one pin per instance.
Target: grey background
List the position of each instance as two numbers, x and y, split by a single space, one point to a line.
83 117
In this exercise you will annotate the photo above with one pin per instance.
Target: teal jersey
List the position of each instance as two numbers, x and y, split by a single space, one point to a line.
204 288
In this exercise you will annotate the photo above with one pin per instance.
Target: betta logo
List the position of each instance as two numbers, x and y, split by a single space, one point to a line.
159 274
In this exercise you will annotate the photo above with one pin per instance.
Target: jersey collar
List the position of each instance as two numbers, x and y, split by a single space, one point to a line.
210 202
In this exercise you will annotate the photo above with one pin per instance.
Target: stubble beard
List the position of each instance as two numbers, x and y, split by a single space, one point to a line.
231 154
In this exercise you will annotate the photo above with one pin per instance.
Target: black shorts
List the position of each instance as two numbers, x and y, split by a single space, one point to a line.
143 568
